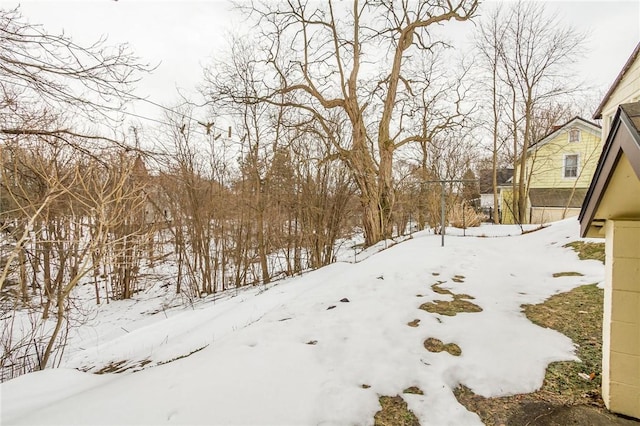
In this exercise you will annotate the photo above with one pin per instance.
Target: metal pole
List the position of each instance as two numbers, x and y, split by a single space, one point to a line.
442 225
464 222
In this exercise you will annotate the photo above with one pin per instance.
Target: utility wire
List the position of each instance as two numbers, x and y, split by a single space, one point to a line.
209 125
195 129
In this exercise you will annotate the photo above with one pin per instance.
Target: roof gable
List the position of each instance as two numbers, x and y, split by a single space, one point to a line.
574 122
634 55
623 142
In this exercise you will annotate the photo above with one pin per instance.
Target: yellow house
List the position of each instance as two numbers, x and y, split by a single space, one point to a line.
559 168
612 210
625 89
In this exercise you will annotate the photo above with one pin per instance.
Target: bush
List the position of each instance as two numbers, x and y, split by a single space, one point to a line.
464 216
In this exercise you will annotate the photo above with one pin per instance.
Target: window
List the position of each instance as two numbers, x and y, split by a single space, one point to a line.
571 166
574 135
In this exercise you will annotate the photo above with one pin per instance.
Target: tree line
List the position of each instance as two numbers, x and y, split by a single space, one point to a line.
343 119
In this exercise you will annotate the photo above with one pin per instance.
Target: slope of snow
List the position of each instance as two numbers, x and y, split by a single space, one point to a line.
295 354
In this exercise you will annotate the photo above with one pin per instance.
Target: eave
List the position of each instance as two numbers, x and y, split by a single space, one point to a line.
622 149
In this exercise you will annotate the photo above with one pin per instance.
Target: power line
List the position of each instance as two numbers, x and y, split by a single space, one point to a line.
208 125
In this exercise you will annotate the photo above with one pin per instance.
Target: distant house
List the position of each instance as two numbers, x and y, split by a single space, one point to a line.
559 168
485 181
611 209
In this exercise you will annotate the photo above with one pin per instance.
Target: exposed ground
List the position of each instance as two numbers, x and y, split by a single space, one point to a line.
570 393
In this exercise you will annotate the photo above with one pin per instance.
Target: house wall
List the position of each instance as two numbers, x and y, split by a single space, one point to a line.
547 162
551 214
621 325
486 200
628 90
506 201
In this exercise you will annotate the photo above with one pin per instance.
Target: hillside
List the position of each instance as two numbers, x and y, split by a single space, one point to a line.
320 349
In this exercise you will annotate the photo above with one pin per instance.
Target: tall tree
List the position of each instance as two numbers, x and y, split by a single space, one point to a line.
490 44
320 56
536 55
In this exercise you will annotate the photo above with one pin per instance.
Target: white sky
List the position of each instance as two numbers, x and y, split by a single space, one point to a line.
183 35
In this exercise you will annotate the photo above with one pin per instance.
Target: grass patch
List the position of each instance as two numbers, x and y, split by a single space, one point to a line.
458 278
413 323
437 289
122 366
578 315
413 390
567 274
464 296
588 251
450 308
394 412
183 356
436 345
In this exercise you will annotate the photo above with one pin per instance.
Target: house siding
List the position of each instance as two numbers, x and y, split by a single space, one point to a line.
551 214
627 91
621 330
547 162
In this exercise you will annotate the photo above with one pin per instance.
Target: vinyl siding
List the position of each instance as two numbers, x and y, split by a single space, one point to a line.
628 90
547 162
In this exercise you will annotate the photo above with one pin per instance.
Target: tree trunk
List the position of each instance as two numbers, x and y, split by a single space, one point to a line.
522 187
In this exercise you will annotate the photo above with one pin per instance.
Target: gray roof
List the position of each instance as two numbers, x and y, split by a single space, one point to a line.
485 179
557 197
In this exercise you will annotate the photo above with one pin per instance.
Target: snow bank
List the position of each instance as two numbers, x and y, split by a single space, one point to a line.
321 348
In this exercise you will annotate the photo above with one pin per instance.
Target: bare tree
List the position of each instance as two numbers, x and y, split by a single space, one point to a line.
536 51
70 213
490 44
44 77
319 61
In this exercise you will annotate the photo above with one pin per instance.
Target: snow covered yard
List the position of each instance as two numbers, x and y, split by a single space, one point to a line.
321 348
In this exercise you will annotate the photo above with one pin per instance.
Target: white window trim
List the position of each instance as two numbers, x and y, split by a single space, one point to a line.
564 164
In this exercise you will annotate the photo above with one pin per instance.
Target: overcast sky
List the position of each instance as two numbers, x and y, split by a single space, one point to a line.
183 35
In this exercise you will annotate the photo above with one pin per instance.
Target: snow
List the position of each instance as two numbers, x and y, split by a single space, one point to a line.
293 353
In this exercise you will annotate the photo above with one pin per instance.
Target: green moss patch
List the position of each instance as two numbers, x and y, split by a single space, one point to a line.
588 251
394 412
436 345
